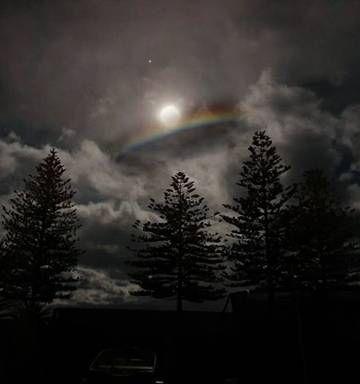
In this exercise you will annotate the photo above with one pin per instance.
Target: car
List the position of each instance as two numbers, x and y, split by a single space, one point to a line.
125 365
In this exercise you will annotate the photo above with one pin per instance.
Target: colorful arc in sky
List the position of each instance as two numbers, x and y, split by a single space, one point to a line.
208 118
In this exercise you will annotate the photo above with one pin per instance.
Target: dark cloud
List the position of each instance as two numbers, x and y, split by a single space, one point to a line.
84 65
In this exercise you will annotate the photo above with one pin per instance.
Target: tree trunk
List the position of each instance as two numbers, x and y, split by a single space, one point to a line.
179 303
179 298
300 337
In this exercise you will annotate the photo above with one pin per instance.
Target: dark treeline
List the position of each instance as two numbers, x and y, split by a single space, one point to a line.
273 236
297 238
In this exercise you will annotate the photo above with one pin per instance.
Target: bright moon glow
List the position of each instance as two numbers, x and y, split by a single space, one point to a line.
169 115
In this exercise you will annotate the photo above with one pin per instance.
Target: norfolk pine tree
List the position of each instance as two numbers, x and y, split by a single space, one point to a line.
39 248
257 233
323 246
322 250
179 257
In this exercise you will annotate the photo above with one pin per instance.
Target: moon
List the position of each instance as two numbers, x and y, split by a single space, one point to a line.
169 115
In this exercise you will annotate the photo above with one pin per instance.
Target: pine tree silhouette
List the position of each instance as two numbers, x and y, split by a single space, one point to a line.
322 238
180 257
322 253
258 229
39 248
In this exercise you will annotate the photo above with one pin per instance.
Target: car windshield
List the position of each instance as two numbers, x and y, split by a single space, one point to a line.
133 358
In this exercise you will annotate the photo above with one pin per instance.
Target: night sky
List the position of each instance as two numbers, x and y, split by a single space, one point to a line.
105 82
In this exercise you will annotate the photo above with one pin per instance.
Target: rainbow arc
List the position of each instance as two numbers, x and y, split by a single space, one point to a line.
208 118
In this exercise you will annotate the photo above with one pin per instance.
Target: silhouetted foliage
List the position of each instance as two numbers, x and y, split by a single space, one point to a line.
322 236
39 249
257 236
322 248
180 258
